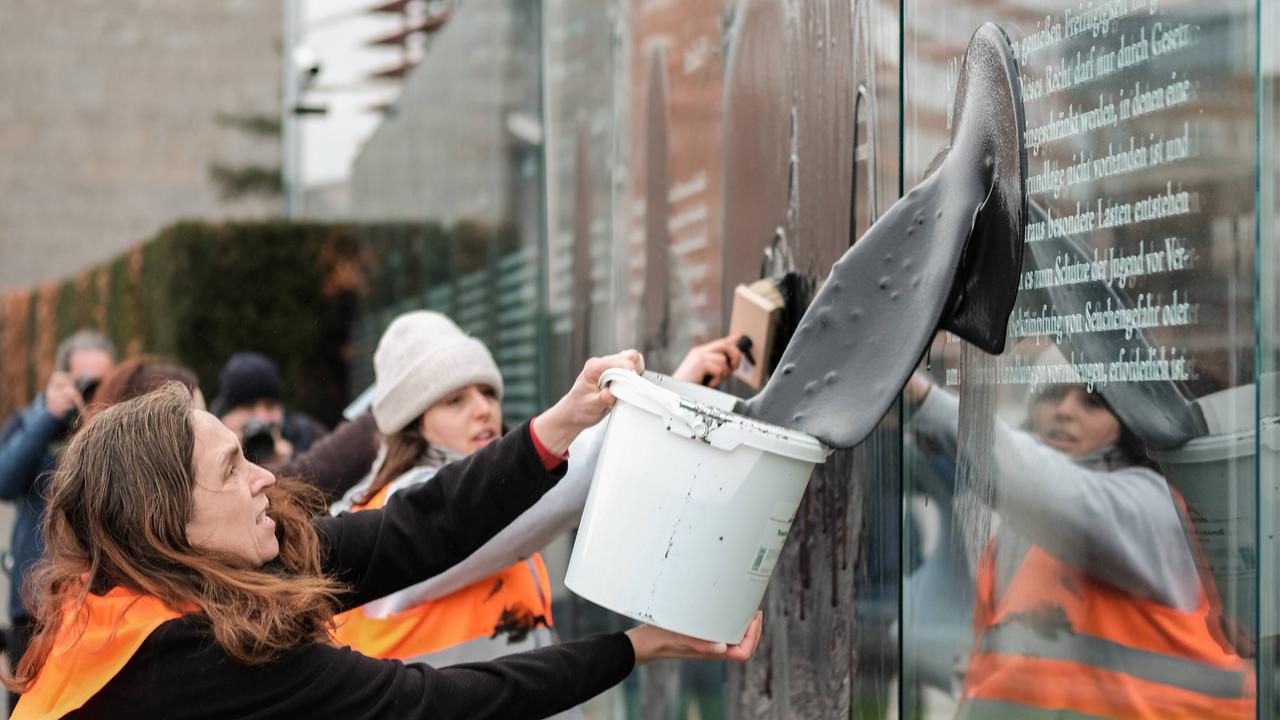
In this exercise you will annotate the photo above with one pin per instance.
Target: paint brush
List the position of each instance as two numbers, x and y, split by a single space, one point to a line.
757 308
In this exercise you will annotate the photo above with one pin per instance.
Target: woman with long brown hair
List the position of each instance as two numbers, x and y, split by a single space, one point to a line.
183 581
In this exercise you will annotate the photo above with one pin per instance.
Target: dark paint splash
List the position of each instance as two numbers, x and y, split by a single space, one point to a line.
948 255
517 622
497 585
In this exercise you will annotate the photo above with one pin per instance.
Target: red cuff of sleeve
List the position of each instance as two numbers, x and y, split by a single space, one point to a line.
549 459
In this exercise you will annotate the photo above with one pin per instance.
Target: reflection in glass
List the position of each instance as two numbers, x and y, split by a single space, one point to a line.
1092 595
1114 574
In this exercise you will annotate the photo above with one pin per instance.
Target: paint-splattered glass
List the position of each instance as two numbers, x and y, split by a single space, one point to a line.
1087 505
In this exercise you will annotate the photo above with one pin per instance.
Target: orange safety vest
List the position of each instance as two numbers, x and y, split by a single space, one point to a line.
90 648
1059 643
513 601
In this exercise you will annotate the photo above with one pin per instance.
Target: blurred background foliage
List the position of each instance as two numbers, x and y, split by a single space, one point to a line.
200 292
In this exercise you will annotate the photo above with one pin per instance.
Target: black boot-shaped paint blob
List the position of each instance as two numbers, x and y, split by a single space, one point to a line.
946 255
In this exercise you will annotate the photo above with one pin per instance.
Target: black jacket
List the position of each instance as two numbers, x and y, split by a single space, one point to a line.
179 672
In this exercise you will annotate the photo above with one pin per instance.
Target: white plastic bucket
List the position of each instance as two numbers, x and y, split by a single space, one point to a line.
688 510
1217 475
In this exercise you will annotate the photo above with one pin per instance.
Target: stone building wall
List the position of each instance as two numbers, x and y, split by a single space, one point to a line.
109 122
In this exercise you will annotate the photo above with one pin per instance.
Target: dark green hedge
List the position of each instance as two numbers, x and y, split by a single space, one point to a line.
200 292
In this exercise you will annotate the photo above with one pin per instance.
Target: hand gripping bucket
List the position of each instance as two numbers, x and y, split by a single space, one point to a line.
688 510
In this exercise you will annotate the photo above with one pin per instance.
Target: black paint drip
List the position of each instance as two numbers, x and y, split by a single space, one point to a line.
948 255
517 622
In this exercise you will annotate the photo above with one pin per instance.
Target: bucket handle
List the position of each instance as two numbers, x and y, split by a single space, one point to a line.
659 401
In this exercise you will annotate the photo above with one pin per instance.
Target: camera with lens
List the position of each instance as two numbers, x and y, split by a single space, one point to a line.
259 441
87 386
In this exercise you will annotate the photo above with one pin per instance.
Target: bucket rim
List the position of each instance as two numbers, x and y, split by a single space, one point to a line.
630 387
1224 446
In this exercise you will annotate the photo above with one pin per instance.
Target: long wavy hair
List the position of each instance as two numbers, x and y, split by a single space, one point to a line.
117 515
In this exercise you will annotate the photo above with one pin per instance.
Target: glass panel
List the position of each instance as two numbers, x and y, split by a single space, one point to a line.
579 115
1269 353
744 146
664 291
1091 494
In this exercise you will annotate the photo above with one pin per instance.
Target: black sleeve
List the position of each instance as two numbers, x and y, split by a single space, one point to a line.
425 530
180 673
338 460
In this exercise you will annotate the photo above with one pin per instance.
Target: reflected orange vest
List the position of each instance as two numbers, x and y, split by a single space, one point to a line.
1058 639
90 648
514 600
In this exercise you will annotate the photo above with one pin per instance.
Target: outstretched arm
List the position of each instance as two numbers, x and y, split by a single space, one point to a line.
558 511
1120 526
186 676
424 530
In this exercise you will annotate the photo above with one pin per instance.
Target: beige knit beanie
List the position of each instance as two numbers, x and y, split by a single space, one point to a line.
422 357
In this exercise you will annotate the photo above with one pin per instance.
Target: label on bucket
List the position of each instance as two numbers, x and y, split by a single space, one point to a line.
772 539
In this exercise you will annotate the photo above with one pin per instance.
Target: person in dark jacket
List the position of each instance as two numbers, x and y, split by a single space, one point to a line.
28 453
251 403
186 582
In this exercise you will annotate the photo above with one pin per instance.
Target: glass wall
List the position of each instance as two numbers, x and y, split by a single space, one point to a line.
1076 525
1268 273
1092 494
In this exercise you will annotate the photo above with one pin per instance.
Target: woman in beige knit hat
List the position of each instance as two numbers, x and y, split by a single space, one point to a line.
437 400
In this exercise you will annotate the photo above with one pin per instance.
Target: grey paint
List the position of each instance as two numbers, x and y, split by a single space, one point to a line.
947 254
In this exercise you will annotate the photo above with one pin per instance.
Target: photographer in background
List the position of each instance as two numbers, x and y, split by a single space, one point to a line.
250 403
29 447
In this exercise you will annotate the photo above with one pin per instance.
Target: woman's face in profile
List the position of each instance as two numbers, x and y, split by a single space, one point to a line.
229 498
1077 424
